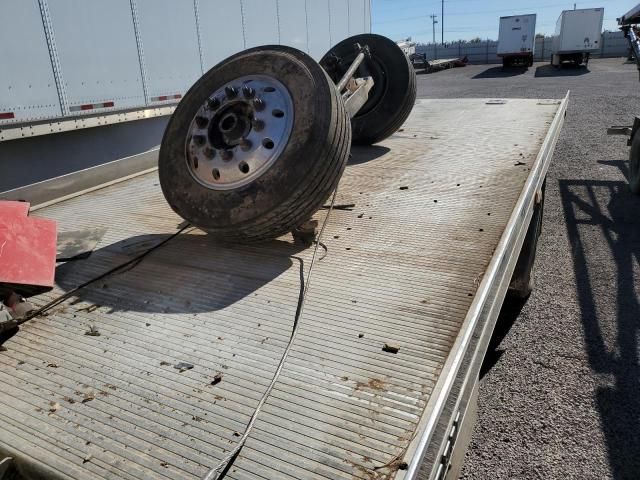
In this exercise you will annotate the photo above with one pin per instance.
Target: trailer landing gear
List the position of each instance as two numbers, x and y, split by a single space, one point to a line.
258 144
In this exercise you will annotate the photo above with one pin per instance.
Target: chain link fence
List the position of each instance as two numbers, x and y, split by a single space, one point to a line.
613 44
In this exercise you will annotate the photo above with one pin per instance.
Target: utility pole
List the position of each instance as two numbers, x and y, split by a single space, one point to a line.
433 25
442 23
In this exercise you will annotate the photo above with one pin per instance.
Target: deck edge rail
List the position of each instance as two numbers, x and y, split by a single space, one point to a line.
514 232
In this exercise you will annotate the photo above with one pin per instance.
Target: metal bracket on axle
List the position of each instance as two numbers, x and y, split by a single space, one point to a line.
356 89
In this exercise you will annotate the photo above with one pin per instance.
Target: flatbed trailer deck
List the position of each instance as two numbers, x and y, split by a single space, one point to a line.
422 262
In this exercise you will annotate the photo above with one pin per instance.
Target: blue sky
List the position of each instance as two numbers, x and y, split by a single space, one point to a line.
466 19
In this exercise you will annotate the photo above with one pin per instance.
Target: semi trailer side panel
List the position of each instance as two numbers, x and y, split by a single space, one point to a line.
214 27
339 20
293 18
367 17
98 66
319 25
260 22
357 16
410 265
94 58
170 40
27 85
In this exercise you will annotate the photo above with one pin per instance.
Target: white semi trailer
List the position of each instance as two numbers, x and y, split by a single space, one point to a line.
517 39
578 33
158 354
123 65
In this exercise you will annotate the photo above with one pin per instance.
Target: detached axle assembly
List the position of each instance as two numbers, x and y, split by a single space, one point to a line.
258 144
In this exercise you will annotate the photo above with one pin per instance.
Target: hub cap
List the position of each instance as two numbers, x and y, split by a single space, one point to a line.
239 132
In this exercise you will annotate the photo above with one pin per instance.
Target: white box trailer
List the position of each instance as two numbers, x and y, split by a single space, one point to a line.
517 39
577 34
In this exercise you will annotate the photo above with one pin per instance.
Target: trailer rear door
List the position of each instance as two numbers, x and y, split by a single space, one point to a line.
517 34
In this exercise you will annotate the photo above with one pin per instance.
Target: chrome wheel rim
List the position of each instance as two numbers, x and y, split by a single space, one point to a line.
239 132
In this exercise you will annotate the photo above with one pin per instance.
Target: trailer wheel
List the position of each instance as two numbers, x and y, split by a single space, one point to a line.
256 145
634 165
394 93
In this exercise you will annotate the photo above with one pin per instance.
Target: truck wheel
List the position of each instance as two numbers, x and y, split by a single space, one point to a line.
256 145
394 93
634 165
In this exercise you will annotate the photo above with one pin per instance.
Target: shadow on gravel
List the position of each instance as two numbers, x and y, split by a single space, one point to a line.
500 72
596 212
509 312
565 71
622 165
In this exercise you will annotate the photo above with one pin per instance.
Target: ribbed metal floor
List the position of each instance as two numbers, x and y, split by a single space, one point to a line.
402 267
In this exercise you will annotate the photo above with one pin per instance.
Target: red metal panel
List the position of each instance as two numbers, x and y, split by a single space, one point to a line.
27 249
10 208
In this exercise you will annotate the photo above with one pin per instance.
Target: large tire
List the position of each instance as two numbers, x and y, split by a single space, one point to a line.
634 165
394 93
297 181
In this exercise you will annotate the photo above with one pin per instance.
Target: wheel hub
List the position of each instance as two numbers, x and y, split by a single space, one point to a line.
239 132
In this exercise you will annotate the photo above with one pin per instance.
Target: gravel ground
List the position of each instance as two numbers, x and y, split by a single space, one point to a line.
560 394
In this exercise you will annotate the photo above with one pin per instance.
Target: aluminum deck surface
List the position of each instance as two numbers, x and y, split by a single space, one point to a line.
401 267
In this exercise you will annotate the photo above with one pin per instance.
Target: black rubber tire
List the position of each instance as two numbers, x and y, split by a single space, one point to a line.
392 97
634 165
301 178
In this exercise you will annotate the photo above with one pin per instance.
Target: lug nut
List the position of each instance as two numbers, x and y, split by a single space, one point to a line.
202 122
226 155
259 104
258 125
209 153
213 103
248 92
231 92
245 145
199 140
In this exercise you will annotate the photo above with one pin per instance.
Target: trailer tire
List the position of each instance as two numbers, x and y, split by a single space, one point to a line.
634 165
394 93
305 167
